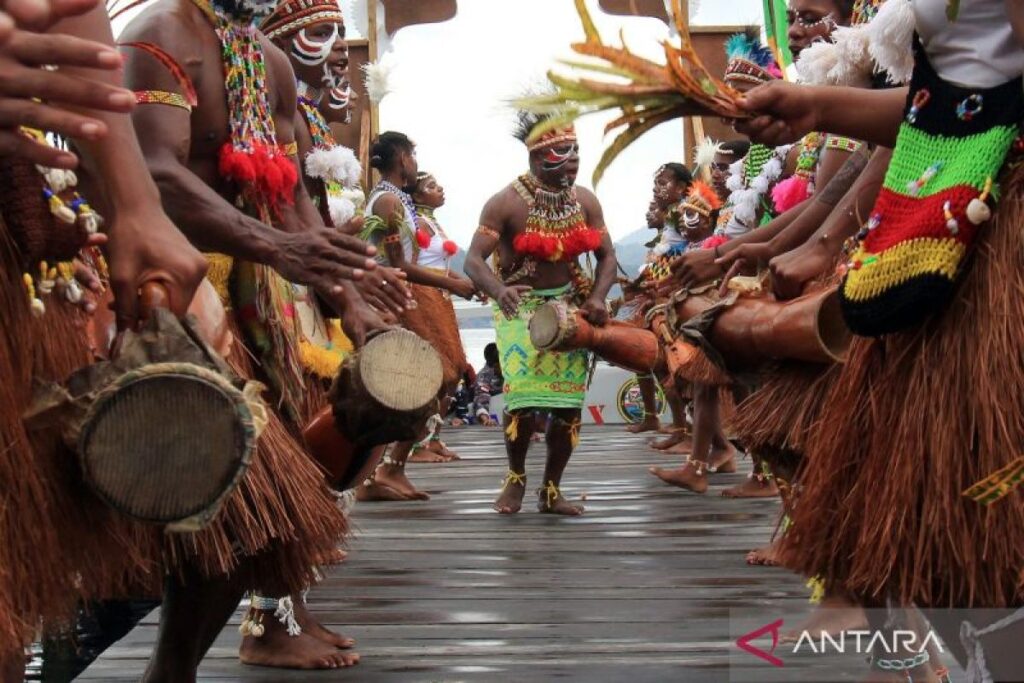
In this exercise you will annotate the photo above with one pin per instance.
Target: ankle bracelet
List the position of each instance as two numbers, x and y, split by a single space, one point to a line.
513 478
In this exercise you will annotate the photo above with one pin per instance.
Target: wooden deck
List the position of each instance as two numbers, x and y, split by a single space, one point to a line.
446 590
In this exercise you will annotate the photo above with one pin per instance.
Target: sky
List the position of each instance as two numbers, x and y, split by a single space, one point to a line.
450 82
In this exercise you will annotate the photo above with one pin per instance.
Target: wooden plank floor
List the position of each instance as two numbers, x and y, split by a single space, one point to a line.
447 590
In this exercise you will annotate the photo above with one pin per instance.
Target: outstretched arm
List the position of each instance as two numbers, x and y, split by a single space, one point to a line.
785 112
143 243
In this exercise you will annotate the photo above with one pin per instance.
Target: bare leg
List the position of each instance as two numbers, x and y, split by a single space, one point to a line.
723 454
193 613
648 392
563 426
834 614
678 437
677 406
693 475
759 483
510 500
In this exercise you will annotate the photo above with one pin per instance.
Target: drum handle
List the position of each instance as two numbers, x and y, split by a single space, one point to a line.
152 295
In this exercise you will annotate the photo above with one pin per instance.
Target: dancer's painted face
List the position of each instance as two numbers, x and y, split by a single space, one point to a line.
430 193
812 21
655 216
695 225
720 174
667 189
318 54
559 164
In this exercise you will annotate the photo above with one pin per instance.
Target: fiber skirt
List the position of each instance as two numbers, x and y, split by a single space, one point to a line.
434 320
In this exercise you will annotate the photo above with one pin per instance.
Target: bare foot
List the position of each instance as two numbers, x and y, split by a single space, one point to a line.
833 615
684 447
559 506
375 492
768 556
313 627
649 424
723 460
510 500
425 455
685 477
441 448
394 477
674 438
753 487
278 649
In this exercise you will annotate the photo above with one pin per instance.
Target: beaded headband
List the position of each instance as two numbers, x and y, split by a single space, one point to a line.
701 199
553 138
293 15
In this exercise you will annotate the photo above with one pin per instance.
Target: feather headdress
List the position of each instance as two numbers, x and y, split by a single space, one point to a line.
701 198
750 61
645 92
705 153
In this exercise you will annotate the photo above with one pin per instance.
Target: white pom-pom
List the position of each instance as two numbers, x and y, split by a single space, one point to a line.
378 75
853 64
338 164
735 180
744 206
890 37
705 153
815 62
341 208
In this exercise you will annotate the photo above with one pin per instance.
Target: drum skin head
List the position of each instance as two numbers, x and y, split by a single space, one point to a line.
400 370
545 327
163 446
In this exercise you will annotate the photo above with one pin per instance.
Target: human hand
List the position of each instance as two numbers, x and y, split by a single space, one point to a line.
386 290
35 97
144 246
463 287
359 320
320 257
782 113
690 270
509 299
750 255
794 269
595 311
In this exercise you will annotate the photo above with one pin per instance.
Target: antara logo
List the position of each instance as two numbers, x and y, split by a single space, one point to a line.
744 643
868 642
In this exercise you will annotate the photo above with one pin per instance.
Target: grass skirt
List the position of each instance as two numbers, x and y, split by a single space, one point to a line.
913 420
434 320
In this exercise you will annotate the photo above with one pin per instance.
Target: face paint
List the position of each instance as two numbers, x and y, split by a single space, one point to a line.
691 219
556 158
313 51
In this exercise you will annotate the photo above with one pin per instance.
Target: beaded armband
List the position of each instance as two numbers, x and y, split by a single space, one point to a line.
291 149
394 238
842 143
171 99
488 232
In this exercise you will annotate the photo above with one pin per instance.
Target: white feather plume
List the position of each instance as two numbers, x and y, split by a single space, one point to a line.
815 62
890 36
338 164
378 75
342 209
735 180
705 153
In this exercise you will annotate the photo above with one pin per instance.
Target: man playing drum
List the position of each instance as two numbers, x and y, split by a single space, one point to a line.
540 225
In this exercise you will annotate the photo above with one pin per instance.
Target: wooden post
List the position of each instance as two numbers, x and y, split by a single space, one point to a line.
371 13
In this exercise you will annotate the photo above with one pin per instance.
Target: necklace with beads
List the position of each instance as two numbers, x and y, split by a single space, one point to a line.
556 228
252 158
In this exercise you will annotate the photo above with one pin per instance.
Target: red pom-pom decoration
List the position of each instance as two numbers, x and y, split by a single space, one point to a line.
450 248
423 238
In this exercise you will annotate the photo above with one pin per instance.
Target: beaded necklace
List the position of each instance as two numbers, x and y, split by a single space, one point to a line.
403 196
556 228
318 128
252 158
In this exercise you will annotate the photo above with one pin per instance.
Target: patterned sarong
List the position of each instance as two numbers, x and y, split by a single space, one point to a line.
538 379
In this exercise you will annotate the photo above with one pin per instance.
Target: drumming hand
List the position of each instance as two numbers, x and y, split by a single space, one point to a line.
386 290
692 269
595 311
360 320
320 257
794 269
145 246
509 299
751 255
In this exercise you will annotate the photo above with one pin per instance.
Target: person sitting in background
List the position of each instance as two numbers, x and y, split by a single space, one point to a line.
489 382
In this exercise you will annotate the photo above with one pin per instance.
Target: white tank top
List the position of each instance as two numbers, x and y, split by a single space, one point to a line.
978 50
434 255
408 234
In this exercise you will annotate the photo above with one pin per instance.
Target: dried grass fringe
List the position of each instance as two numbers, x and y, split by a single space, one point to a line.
913 420
434 320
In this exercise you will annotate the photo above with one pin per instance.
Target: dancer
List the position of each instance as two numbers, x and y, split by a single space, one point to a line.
914 454
540 225
671 183
391 223
204 177
712 451
60 543
434 316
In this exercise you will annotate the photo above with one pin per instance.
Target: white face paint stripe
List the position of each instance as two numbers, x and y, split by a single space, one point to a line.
338 98
313 52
